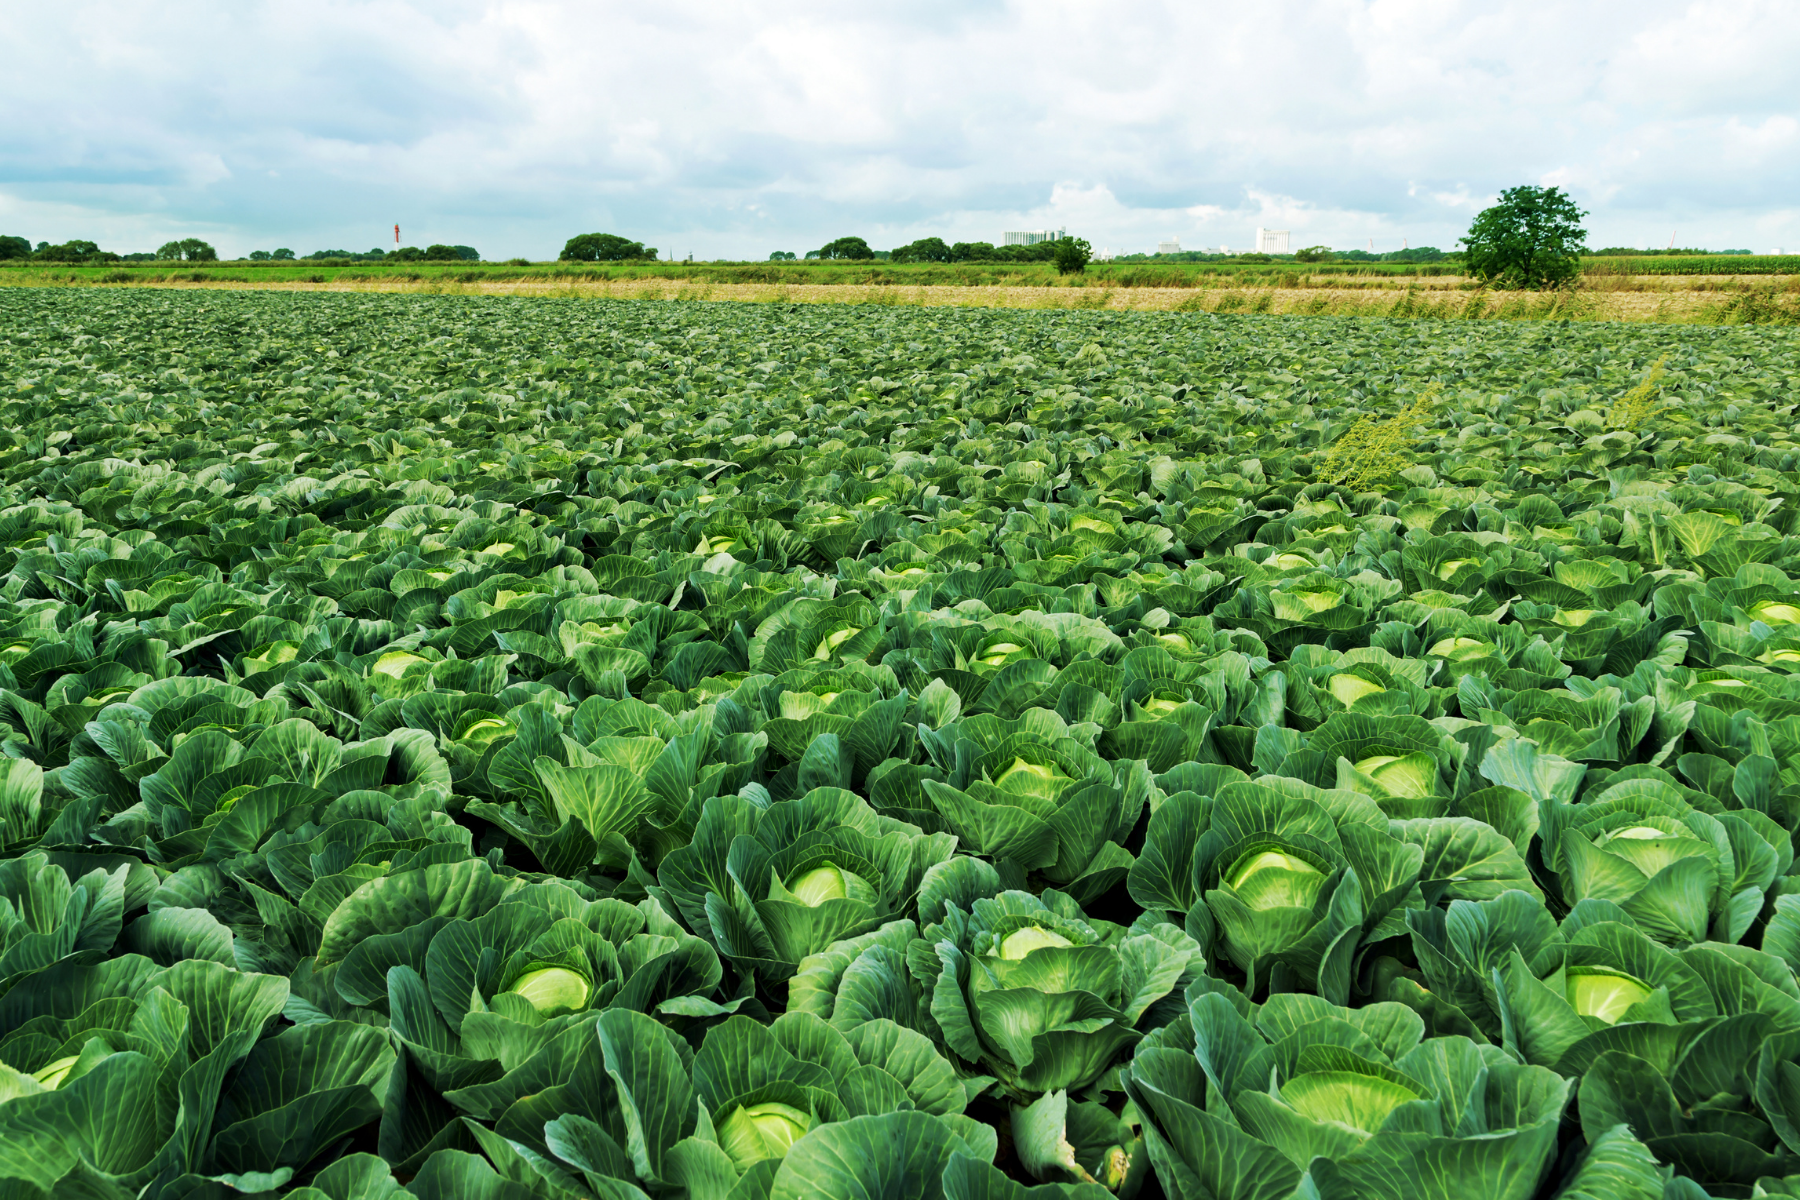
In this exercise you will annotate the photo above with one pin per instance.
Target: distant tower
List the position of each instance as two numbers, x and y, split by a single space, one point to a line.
1172 246
1271 241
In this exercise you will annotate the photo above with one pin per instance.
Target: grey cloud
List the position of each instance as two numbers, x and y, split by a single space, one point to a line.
791 121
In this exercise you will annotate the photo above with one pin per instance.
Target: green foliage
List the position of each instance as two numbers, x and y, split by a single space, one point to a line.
591 748
77 251
14 247
1314 254
605 247
1532 238
929 249
1628 252
1071 255
845 248
438 252
781 256
187 250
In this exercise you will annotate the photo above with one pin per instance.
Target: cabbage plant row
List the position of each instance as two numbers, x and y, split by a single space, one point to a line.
539 749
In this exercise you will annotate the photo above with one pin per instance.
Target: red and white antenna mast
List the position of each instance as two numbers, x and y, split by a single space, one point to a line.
396 235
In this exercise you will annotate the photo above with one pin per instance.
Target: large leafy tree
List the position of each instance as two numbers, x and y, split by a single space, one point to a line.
14 247
846 247
187 250
1071 255
1532 238
604 247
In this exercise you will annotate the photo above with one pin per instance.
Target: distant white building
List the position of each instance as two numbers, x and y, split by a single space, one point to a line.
1271 241
1031 237
1172 246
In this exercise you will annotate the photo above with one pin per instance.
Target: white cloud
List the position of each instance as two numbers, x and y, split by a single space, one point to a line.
741 128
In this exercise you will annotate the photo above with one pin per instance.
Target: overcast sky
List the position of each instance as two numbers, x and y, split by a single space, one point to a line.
732 129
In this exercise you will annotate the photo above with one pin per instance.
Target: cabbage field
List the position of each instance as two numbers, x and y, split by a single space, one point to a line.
508 749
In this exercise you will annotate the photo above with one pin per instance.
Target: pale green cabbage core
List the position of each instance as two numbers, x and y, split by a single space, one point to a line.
1604 995
1290 562
1574 618
1451 566
1359 1101
1650 849
996 654
833 640
1020 942
828 882
1175 641
1297 606
52 1076
1042 779
394 663
1160 706
1411 775
1348 689
797 706
749 1135
1457 649
550 988
484 730
1270 879
275 654
1773 612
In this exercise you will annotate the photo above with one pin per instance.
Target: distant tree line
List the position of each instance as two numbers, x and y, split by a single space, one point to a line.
925 250
195 250
78 250
1069 254
437 252
1412 255
1628 252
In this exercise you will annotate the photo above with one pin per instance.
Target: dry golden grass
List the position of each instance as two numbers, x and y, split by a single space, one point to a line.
1679 299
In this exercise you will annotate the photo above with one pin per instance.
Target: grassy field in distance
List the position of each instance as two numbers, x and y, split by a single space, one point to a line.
1717 289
